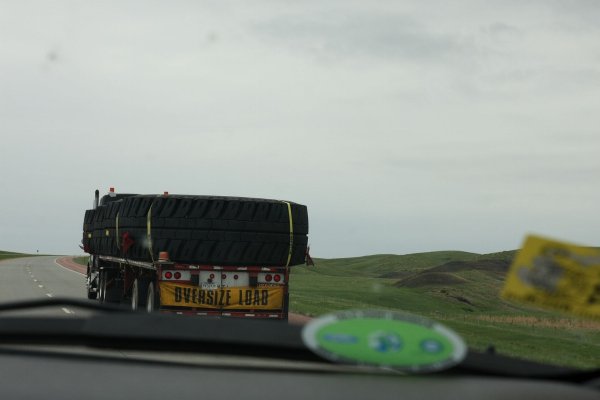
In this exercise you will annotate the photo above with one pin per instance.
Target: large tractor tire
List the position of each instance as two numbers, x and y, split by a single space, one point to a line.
203 229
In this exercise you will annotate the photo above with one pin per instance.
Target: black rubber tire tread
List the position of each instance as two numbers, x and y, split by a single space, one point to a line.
152 296
219 247
202 229
87 220
96 230
101 287
98 217
113 289
134 211
90 294
213 213
142 294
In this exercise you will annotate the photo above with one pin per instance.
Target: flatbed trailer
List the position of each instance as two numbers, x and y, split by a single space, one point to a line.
190 289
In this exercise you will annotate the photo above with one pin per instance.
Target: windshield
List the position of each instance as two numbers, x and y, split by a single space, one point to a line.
425 140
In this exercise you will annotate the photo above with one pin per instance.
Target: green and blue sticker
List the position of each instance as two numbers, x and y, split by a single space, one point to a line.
384 339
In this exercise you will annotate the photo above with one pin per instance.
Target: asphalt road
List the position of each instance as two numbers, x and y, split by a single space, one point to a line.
43 277
37 278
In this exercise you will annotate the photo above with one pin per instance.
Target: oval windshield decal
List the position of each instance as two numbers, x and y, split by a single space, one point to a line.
384 339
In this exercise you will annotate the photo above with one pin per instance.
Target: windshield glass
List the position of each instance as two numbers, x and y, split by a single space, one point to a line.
425 140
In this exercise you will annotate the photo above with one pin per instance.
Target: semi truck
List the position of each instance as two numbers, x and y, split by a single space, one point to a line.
197 255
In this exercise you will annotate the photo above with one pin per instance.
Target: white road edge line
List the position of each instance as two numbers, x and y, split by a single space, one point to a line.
65 268
66 310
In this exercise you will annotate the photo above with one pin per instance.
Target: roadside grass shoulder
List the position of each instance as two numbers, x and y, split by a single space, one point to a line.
5 255
579 348
470 303
83 260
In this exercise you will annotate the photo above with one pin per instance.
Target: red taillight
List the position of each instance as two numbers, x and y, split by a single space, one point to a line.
276 278
212 276
223 276
168 274
235 277
177 275
268 278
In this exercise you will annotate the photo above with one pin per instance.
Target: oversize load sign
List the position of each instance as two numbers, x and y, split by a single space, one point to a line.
233 298
556 275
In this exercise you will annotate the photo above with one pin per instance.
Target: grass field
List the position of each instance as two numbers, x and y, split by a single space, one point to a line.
5 255
457 288
81 260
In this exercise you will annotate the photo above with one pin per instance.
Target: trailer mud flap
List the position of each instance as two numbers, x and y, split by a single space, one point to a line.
232 298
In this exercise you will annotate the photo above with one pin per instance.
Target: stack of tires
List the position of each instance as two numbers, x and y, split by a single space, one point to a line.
208 230
87 230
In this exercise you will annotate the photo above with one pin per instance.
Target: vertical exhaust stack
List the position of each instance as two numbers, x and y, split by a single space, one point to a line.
96 198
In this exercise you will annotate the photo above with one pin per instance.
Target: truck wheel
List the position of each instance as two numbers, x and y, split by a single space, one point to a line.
90 294
139 293
152 298
101 286
111 290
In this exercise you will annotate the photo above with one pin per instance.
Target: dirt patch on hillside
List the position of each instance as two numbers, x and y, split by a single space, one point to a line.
430 278
396 274
494 266
498 266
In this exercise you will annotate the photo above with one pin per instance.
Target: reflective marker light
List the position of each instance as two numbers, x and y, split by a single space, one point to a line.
277 278
223 276
177 275
235 277
212 276
168 275
268 278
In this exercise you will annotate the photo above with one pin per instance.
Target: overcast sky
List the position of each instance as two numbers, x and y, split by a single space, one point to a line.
403 126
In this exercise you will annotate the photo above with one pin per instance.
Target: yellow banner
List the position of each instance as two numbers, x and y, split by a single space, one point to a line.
556 275
232 298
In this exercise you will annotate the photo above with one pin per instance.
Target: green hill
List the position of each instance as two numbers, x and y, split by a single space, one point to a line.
5 255
377 265
461 289
436 283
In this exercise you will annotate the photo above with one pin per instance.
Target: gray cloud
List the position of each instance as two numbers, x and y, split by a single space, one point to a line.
335 37
403 127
